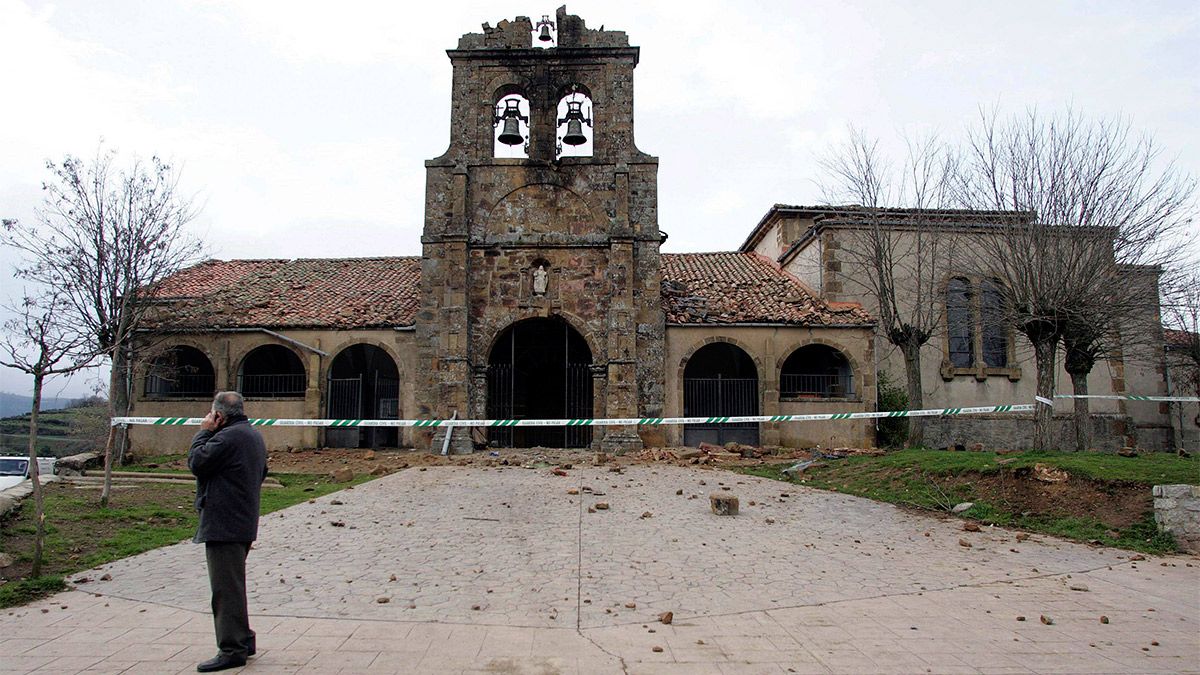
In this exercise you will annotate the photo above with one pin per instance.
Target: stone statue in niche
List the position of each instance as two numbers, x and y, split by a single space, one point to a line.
540 279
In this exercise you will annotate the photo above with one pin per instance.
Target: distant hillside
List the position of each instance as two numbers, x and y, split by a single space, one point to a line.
16 404
60 432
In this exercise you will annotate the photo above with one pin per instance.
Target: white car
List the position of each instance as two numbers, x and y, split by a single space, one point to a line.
13 471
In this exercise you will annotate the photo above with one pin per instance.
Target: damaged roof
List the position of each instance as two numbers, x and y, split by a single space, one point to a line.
733 288
337 293
349 293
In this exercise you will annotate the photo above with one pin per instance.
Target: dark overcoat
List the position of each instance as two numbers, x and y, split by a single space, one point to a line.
230 465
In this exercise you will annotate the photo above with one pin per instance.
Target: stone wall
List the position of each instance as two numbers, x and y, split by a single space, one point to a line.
1177 510
1012 432
226 350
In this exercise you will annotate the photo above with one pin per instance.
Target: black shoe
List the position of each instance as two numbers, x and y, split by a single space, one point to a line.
221 662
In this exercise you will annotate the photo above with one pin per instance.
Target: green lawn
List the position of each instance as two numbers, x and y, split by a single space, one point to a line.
1107 501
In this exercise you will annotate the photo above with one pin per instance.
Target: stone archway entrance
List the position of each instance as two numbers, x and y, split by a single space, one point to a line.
364 383
720 380
540 369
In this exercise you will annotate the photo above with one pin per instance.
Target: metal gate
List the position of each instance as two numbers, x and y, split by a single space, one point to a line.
720 397
504 403
345 403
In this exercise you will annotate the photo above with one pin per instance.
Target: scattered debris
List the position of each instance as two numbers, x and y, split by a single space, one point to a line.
656 649
1020 618
1047 620
1049 474
1022 536
970 526
1078 587
647 514
964 543
723 505
342 475
383 599
601 506
1103 619
666 617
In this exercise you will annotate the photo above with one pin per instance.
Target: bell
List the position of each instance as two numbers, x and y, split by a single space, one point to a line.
544 36
574 135
510 134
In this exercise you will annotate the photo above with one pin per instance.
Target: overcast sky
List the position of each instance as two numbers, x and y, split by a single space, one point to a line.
302 127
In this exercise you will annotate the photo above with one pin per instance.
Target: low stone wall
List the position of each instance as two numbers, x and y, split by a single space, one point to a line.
1015 432
1177 510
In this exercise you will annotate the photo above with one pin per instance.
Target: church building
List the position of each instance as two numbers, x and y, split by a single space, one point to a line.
541 292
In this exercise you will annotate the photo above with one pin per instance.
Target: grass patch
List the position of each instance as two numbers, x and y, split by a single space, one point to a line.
1106 500
27 590
81 535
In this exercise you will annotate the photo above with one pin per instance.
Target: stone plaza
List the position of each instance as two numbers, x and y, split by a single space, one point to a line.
504 570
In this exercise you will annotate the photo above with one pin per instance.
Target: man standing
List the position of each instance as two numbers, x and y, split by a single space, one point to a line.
229 460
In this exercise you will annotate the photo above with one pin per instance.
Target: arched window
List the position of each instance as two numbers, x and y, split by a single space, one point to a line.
272 371
574 132
180 372
816 371
364 383
992 326
960 327
510 120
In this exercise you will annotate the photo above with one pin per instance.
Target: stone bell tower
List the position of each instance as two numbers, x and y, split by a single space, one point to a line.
541 240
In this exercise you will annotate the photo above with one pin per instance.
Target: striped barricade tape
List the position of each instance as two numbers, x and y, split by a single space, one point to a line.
616 421
1132 397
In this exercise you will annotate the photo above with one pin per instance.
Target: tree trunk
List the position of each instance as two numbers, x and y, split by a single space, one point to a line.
39 515
1081 422
916 395
1044 350
115 384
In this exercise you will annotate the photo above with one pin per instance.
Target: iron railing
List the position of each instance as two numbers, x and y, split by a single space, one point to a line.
180 386
816 386
288 385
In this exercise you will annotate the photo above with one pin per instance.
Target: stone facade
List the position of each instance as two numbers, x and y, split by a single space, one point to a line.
590 222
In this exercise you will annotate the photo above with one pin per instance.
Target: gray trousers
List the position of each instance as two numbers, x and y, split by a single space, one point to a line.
227 578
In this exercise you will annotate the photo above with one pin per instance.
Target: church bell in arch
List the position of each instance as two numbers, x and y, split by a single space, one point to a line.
575 120
511 117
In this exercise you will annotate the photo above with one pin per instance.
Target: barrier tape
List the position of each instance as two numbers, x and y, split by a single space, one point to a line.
617 421
1131 397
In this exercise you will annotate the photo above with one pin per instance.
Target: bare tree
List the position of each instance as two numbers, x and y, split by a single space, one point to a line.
40 343
1181 318
1103 200
903 255
104 235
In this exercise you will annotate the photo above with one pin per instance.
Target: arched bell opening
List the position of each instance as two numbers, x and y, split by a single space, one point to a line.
271 371
540 369
363 383
180 372
575 130
816 371
720 380
510 122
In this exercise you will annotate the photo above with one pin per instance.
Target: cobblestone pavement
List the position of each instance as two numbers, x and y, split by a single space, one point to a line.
501 570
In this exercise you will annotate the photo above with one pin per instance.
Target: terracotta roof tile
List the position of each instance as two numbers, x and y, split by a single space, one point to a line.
727 288
306 293
344 293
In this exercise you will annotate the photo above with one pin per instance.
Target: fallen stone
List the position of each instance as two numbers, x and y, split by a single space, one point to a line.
971 526
383 599
723 505
1127 452
6 560
964 543
1020 618
601 506
647 514
573 491
679 491
369 455
656 649
106 577
1022 536
959 508
378 471
631 605
1103 619
976 447
559 472
1078 587
666 617
342 475
1048 474
1047 620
